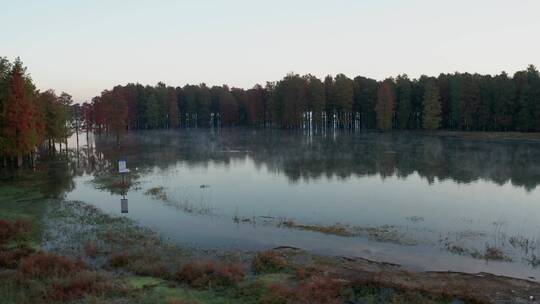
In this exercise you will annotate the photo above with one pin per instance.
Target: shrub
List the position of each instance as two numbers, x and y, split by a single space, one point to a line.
77 286
91 249
494 253
230 274
268 262
149 268
11 258
318 290
13 230
46 265
208 274
119 260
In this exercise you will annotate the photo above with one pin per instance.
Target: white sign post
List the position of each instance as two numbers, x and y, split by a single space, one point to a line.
122 167
123 170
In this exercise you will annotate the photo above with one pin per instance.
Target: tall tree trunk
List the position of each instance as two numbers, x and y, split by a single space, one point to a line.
19 160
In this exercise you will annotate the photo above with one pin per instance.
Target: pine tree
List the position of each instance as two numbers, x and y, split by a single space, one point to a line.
330 99
5 71
204 101
454 116
365 99
403 94
172 108
386 103
152 111
343 96
504 103
316 99
431 116
18 117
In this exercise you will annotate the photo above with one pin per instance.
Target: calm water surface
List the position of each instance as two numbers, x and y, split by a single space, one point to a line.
427 202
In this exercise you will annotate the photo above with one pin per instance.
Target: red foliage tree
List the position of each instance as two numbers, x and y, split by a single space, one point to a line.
19 120
228 107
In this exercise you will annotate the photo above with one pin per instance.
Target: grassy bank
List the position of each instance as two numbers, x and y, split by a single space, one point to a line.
57 251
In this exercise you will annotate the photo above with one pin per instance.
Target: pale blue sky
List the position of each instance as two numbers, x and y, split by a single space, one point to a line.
83 47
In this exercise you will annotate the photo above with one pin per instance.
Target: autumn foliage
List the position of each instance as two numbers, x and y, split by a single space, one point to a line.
209 274
10 230
460 101
268 262
28 117
317 290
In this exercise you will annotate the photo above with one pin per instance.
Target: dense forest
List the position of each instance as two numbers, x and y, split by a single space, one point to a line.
458 101
30 119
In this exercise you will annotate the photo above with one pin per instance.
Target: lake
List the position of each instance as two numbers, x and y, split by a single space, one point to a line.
424 201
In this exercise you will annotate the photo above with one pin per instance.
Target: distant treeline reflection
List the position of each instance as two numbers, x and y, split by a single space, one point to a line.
306 158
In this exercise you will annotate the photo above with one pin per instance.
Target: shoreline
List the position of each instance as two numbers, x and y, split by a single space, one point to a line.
119 245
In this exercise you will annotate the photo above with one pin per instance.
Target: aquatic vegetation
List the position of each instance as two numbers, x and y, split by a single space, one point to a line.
495 253
384 233
268 262
490 252
534 261
114 183
157 193
415 219
525 244
336 229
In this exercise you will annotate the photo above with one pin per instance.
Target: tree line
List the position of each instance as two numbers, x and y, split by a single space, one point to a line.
29 118
458 101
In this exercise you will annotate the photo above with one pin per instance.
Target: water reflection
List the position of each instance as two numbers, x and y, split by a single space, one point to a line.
124 205
341 156
438 199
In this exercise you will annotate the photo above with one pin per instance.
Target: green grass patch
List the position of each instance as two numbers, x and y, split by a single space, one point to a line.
139 282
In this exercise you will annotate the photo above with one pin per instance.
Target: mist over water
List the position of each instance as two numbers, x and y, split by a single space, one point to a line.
424 196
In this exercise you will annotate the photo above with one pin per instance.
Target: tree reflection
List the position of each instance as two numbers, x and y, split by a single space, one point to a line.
311 157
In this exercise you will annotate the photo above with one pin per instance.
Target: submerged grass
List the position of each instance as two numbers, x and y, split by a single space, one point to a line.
336 229
159 193
385 233
89 257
